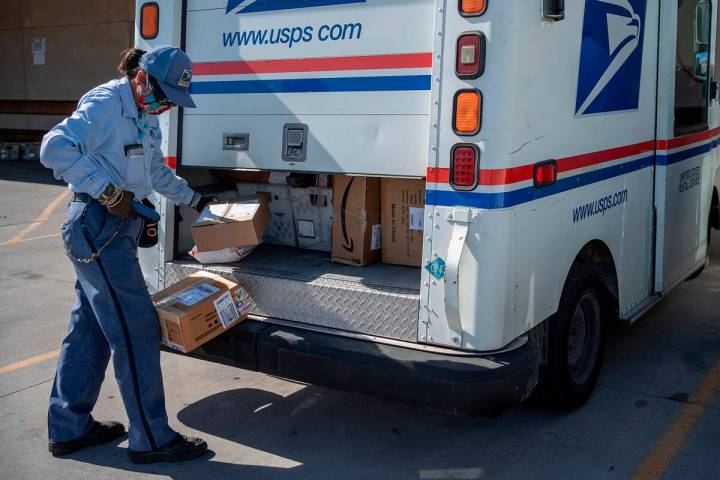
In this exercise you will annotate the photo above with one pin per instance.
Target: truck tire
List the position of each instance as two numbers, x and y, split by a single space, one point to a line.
575 342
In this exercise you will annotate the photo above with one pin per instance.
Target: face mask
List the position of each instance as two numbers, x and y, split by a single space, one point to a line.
153 101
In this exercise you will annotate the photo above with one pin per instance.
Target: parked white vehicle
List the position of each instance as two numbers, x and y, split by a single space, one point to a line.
569 150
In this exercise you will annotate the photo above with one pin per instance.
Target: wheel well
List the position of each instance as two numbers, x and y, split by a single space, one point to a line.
597 255
715 209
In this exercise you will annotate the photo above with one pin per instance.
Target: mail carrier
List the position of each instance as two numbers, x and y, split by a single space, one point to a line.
567 152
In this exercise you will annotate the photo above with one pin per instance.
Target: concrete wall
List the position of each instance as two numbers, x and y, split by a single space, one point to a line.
83 42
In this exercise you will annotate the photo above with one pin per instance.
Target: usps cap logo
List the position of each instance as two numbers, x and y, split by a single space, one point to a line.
185 79
254 6
611 56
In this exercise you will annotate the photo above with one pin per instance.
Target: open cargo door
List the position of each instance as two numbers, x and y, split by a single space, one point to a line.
336 86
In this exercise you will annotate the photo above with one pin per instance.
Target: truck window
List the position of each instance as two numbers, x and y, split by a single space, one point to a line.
692 66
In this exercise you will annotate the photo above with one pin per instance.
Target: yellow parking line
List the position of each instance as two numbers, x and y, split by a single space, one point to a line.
41 237
30 239
42 218
675 436
29 361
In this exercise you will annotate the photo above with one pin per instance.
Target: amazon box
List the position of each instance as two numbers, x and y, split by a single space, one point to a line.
356 233
403 217
241 223
199 308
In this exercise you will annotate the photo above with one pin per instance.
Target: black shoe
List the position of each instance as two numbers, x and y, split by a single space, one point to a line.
179 449
100 432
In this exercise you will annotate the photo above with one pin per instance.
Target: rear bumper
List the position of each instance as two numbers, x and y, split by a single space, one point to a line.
465 385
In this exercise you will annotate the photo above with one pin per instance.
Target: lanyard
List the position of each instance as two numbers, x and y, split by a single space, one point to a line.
141 123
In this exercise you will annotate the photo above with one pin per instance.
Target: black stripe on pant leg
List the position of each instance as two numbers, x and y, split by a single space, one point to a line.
128 343
131 357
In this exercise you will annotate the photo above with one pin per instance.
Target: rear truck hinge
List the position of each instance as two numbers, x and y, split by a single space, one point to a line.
461 219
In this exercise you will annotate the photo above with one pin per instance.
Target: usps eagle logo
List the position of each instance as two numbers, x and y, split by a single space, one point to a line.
254 6
185 79
611 56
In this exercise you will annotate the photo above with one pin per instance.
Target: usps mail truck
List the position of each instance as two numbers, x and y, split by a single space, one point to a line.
568 151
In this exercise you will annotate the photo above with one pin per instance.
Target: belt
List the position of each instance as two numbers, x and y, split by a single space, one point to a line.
83 198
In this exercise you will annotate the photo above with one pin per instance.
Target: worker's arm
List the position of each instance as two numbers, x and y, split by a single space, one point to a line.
164 180
69 149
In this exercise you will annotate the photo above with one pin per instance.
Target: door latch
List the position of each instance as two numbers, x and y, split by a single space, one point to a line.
295 137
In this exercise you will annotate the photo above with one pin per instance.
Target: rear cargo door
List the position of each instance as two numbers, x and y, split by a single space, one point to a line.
337 86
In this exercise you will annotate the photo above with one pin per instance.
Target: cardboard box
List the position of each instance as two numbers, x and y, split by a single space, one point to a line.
198 309
356 235
403 220
241 223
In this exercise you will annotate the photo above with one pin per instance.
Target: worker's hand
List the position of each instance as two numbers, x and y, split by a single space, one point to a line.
202 201
124 208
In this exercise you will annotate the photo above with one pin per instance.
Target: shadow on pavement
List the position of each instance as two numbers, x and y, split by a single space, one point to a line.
318 433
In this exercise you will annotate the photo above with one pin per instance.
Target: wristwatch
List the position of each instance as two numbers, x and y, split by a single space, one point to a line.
110 195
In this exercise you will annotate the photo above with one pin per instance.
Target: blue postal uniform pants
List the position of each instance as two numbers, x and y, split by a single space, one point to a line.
113 316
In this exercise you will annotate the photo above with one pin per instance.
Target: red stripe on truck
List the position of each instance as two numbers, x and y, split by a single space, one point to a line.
324 64
508 176
595 158
687 139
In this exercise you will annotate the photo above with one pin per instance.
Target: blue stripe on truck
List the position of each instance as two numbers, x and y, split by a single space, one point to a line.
496 200
304 85
666 159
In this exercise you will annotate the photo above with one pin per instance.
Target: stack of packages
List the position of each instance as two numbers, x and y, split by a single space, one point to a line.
378 219
359 220
203 305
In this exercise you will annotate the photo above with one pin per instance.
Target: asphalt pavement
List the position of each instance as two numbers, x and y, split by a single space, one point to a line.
655 413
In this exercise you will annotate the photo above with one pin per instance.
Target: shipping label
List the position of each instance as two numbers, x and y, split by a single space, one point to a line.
417 218
197 294
226 309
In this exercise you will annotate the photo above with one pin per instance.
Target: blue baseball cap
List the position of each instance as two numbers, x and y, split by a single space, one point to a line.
172 69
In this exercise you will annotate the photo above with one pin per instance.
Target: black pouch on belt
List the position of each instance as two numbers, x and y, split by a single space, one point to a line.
149 236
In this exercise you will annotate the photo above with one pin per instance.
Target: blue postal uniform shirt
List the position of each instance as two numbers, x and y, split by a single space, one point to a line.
87 150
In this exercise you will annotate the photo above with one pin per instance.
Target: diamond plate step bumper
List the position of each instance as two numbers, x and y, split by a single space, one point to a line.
305 287
466 385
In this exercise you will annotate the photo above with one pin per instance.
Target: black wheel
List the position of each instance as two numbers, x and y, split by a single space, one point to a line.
575 343
700 270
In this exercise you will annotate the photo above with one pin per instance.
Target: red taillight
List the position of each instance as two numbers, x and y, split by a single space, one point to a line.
545 173
149 20
464 166
470 63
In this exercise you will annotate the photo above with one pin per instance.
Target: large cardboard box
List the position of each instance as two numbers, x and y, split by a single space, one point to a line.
403 220
241 223
199 308
356 235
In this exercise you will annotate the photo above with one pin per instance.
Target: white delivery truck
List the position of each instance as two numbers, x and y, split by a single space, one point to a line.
569 153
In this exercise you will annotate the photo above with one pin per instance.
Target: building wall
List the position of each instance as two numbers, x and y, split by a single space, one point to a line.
83 40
